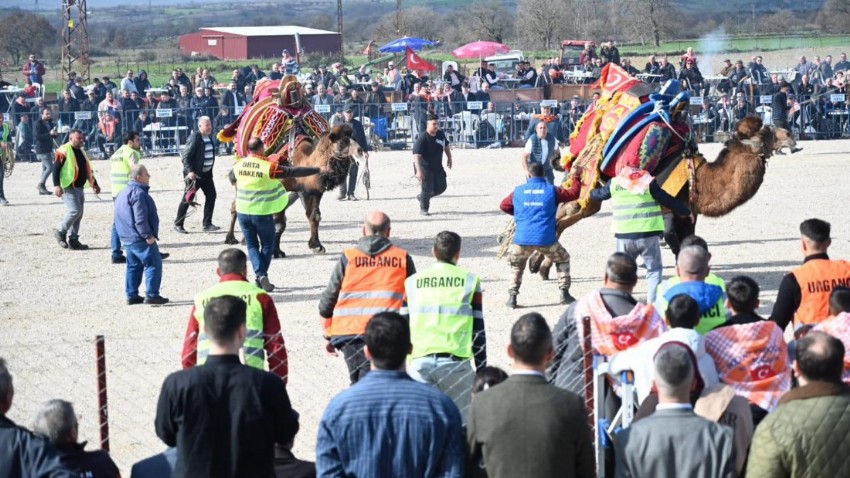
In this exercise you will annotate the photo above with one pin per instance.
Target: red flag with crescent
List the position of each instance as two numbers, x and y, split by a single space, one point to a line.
415 62
614 78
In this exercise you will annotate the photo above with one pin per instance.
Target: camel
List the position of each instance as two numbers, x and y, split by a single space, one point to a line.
335 149
722 185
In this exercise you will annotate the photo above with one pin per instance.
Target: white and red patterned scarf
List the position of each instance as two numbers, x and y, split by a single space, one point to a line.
839 327
610 335
753 360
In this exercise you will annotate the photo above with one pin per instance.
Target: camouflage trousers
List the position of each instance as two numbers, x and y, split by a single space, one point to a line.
555 252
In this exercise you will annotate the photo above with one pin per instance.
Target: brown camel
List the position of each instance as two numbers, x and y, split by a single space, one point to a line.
336 150
721 185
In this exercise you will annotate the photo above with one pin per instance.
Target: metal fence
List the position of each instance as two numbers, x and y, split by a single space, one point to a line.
474 124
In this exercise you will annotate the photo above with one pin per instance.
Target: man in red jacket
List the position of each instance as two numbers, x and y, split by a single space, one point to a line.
233 271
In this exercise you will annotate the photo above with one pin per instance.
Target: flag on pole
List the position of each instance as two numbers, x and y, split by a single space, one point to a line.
415 62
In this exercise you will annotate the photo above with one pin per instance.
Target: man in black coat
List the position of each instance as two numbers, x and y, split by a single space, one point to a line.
225 417
346 191
198 160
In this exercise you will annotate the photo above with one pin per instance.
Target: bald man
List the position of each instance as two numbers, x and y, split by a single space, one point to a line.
692 268
367 279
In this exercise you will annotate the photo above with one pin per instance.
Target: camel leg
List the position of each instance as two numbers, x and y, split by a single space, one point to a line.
279 228
567 216
230 238
314 217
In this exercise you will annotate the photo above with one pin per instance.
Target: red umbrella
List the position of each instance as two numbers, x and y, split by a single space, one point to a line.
480 49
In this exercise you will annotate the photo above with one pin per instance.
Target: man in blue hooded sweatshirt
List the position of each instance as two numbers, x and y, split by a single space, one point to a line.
692 268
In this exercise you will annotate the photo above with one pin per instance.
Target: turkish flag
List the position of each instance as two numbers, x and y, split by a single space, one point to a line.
414 62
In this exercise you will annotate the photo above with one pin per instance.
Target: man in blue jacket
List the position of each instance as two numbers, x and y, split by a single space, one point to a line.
137 223
533 206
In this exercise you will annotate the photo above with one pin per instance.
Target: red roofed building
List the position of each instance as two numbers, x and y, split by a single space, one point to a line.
242 43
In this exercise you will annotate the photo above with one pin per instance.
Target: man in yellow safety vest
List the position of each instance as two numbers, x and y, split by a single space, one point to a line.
72 171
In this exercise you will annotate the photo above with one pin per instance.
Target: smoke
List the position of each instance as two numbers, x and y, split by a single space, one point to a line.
708 47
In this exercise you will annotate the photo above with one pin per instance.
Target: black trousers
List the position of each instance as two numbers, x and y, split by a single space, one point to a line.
348 189
206 184
355 359
433 185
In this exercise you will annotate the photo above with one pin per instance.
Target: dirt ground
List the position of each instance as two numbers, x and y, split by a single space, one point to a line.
53 302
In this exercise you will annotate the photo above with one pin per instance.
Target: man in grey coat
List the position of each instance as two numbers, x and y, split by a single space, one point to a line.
525 426
674 441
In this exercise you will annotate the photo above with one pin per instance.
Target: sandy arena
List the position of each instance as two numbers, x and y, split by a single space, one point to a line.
55 301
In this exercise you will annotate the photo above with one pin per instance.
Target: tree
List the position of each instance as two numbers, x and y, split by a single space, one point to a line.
420 22
540 23
22 33
653 18
833 16
488 20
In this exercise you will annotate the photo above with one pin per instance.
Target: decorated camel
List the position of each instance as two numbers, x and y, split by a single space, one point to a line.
294 135
629 127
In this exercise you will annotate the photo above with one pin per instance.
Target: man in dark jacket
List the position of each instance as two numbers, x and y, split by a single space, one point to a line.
57 421
137 224
22 453
533 205
198 159
45 133
224 417
346 191
779 107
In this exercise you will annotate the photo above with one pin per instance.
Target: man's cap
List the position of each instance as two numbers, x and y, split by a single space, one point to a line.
348 109
322 66
739 62
375 83
284 52
727 61
784 84
545 105
92 92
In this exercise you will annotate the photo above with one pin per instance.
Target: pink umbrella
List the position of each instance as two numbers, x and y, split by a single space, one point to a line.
480 49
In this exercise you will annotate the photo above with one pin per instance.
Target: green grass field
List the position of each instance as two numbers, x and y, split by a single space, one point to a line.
743 44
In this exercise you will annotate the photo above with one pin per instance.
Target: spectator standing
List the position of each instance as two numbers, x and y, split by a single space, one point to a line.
388 424
259 196
77 90
142 83
689 55
366 279
66 107
553 126
428 163
198 158
24 140
637 221
289 63
346 191
23 453
120 164
805 435
225 417
674 441
45 135
233 99
691 77
72 171
129 83
453 78
444 303
843 64
535 228
109 85
803 295
221 121
34 70
137 226
57 421
376 100
779 107
5 148
760 75
540 148
263 338
525 426
160 465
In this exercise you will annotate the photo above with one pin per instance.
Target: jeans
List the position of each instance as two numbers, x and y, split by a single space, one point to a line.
433 185
355 359
143 258
75 200
206 184
46 166
259 237
116 244
648 248
451 376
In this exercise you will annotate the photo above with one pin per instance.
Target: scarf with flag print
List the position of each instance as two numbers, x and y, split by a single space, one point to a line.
610 335
753 360
839 327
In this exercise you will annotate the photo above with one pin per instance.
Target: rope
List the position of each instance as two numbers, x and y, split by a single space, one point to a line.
506 238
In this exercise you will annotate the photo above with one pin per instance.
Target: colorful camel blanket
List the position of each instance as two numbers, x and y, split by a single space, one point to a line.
610 335
753 360
839 327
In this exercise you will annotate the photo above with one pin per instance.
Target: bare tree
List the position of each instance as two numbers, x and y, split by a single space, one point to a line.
22 33
540 23
653 18
421 22
833 16
488 20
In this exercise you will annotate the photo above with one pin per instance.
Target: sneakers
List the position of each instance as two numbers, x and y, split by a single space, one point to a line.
60 238
76 245
180 230
264 283
211 228
158 300
43 190
511 302
566 298
341 197
119 260
135 300
351 197
424 213
796 150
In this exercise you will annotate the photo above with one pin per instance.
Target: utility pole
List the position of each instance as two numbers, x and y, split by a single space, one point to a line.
75 39
339 28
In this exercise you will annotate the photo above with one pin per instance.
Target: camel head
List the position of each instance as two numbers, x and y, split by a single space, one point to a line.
336 149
